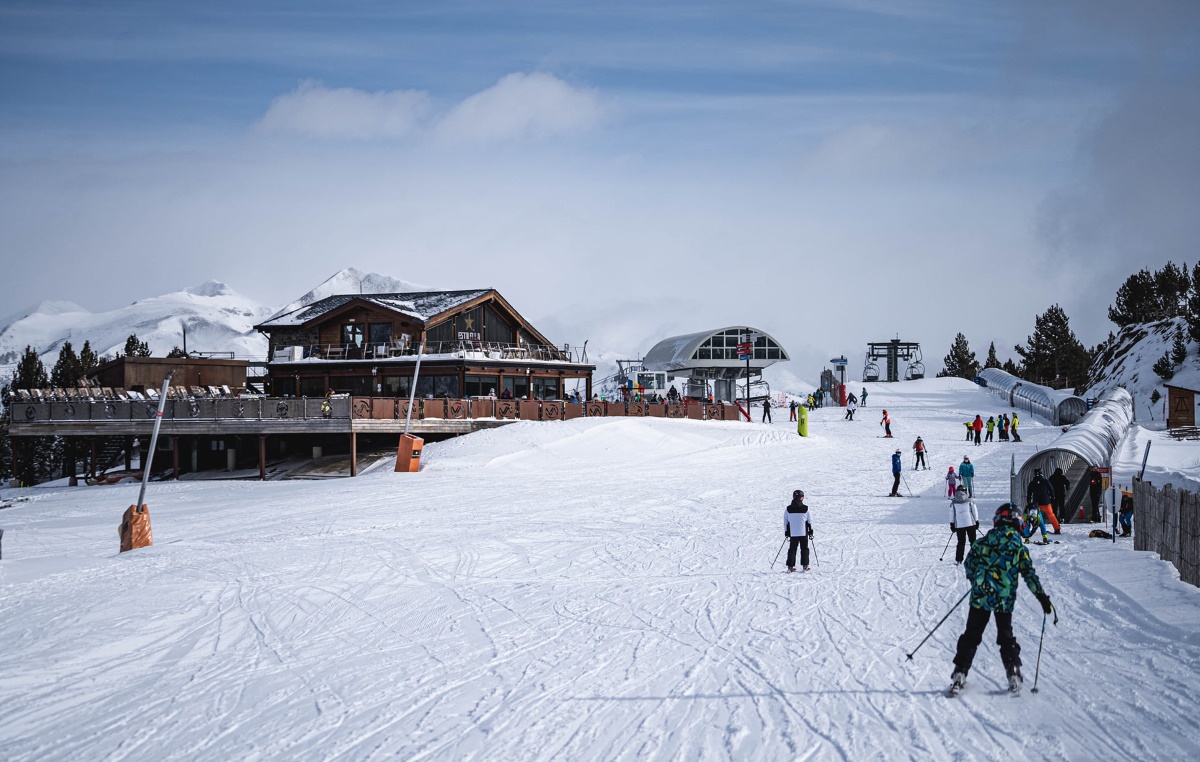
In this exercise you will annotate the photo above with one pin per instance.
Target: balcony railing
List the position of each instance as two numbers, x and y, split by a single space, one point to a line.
490 350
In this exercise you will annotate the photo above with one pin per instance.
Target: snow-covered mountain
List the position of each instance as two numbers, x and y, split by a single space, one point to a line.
352 281
1129 362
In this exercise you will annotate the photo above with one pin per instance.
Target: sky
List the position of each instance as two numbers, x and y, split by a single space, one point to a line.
832 172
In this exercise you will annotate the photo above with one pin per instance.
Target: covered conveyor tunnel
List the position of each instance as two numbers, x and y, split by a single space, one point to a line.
1089 442
1058 407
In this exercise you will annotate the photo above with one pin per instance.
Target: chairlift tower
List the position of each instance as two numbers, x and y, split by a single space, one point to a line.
892 353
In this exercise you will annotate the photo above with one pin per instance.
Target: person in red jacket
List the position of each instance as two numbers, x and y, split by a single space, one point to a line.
978 426
886 423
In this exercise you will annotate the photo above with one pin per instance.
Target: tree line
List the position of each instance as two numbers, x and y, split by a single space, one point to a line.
39 458
1054 356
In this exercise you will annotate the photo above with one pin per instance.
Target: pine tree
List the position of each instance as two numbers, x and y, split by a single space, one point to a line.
135 348
34 455
88 361
992 361
961 361
1010 367
1171 286
67 370
1164 368
1178 348
1052 354
1136 300
176 352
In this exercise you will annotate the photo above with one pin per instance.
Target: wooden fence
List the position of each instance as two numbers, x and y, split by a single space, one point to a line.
1167 521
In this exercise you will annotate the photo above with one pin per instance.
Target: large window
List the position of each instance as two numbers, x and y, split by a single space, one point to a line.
481 386
312 387
723 346
517 386
545 388
380 333
353 334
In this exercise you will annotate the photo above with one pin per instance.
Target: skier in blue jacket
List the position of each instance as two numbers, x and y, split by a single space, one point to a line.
966 472
896 467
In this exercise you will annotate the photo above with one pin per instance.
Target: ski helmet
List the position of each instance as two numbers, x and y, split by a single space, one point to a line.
961 488
897 450
798 494
1006 516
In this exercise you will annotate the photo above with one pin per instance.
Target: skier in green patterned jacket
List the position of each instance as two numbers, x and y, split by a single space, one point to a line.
994 566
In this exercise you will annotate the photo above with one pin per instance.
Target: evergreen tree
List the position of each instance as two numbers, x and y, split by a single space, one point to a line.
135 348
1136 300
1178 348
1171 286
34 456
88 361
1010 367
992 361
1053 355
1193 305
176 352
961 361
1164 368
67 370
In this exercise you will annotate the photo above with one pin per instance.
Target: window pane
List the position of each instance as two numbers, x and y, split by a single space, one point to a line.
381 333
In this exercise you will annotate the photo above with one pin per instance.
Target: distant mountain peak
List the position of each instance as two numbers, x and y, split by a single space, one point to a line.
209 288
353 281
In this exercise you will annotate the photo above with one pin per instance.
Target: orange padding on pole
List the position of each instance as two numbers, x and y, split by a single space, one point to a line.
135 528
408 454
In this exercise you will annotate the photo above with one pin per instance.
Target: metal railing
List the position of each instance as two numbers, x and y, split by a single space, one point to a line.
490 350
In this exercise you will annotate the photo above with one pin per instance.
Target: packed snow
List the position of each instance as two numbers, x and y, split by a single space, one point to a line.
590 589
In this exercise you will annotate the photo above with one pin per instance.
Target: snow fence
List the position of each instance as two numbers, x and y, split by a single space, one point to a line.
1089 442
1056 406
1167 522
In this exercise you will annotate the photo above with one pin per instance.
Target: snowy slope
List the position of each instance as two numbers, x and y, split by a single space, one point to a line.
1130 363
592 589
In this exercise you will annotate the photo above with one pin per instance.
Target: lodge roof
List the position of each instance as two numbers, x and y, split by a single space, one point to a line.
421 305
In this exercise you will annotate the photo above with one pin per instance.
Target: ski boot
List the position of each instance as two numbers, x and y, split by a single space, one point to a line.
1015 680
806 568
958 681
791 569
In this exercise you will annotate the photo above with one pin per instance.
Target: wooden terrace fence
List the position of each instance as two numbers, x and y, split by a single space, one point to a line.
1167 521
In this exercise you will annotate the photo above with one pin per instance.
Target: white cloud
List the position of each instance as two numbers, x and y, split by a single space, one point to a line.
522 106
315 110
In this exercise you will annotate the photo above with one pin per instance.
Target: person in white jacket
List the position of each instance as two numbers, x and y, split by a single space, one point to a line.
797 525
964 519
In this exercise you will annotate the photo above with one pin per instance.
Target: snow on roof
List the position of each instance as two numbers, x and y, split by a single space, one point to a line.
421 305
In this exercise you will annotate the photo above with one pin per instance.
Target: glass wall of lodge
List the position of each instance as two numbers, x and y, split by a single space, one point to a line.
432 384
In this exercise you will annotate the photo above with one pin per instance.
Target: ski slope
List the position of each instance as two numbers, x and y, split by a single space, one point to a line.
591 589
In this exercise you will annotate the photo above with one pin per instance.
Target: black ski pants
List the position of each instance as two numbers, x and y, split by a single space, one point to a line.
802 541
968 642
887 428
767 415
920 459
1095 496
895 484
977 433
988 437
1015 436
964 534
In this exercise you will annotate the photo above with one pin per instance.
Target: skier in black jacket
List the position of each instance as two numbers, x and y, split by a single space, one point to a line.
1062 486
797 526
1041 494
1095 489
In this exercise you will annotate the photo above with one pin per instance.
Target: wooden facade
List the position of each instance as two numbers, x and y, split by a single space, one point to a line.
1181 407
142 373
475 345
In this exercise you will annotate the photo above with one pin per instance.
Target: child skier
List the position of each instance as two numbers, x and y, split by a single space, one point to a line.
992 568
970 430
1126 513
851 406
964 520
966 472
797 527
1033 523
951 482
919 449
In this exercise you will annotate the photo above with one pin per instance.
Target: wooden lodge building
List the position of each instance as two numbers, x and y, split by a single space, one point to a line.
366 345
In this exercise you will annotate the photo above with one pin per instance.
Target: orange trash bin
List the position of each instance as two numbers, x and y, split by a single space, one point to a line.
408 454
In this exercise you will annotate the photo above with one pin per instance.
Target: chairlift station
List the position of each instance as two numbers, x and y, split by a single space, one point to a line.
893 353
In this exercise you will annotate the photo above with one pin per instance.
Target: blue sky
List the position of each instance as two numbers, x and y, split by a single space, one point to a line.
866 167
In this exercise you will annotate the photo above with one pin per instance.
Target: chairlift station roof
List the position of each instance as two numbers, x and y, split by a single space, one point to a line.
713 349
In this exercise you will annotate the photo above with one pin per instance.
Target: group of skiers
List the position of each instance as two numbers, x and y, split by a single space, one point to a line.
1000 425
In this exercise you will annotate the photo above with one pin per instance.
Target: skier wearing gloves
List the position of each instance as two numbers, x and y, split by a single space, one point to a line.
897 466
797 526
1041 494
964 520
993 568
919 449
851 406
951 482
966 471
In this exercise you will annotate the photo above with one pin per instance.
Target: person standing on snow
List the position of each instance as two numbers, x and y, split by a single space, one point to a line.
1041 494
951 482
886 423
1015 436
792 410
864 397
919 449
851 406
797 526
991 426
966 472
970 430
1095 490
978 426
964 520
1004 427
896 468
767 412
1062 488
993 568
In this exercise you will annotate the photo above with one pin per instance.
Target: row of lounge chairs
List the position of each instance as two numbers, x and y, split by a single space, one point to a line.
109 394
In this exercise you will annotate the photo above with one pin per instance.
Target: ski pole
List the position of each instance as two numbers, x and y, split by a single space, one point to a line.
947 548
1038 669
939 624
906 485
785 539
813 540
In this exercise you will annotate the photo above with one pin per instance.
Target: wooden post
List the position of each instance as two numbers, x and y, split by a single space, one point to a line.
92 466
262 457
128 453
354 453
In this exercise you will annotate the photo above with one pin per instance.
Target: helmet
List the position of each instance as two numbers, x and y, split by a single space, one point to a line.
951 468
1007 516
966 459
885 411
961 488
798 494
918 439
1037 472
